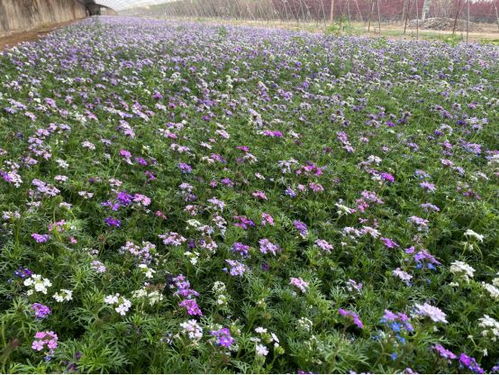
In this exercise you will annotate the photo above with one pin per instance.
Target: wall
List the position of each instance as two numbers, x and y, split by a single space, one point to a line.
24 15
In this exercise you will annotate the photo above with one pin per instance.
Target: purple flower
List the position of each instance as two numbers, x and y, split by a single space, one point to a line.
240 248
259 195
355 318
236 268
183 287
125 154
428 186
389 243
429 207
387 177
471 363
185 168
112 222
124 198
23 272
243 222
324 245
301 227
40 238
424 259
224 337
191 306
41 311
157 95
268 247
444 353
397 321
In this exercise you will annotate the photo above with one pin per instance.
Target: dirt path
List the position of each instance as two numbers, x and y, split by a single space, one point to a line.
16 38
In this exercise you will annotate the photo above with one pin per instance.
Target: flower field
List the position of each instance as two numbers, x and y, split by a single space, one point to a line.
187 198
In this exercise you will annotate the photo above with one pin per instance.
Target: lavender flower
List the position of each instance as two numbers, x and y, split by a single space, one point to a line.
223 337
41 311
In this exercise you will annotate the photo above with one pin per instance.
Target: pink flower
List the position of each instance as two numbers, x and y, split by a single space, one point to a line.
267 219
37 345
324 245
259 195
47 338
299 283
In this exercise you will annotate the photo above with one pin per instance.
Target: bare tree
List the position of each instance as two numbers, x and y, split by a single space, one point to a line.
458 10
417 20
370 15
379 17
426 8
467 20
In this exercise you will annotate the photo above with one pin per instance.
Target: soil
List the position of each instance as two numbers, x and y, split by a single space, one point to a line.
11 40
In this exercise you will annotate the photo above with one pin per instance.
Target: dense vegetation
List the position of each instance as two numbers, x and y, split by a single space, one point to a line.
180 197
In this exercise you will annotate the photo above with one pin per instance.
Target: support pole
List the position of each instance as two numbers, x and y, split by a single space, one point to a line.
467 21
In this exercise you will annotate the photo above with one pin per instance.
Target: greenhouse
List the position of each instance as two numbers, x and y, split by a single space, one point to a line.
249 186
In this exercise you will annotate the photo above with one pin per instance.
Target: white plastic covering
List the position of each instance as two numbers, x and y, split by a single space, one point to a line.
125 4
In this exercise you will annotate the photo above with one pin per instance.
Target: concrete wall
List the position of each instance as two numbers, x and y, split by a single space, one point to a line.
24 15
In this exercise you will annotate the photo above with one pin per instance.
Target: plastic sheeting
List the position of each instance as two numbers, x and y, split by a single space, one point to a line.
125 4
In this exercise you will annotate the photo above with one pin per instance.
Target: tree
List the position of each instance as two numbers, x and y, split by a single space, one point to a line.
426 8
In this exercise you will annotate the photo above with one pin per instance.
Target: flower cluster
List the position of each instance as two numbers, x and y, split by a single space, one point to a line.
37 283
353 316
122 304
45 340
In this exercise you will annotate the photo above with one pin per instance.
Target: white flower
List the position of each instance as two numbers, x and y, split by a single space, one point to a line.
7 215
153 297
38 284
63 295
139 293
61 178
260 330
343 210
149 272
462 269
98 266
305 324
88 144
471 233
112 299
491 325
192 329
274 337
261 350
61 163
404 276
434 313
219 286
123 307
221 300
85 194
493 291
373 159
